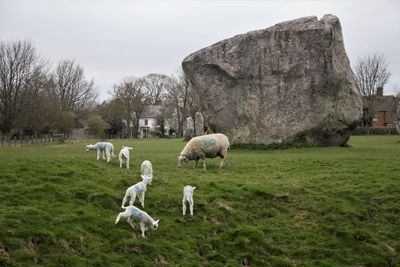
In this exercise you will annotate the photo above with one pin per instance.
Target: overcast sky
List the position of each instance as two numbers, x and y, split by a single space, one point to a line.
115 39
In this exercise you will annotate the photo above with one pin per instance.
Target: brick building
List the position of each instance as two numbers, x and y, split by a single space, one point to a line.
386 110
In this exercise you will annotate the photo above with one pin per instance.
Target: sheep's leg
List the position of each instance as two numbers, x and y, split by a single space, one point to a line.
103 155
222 163
223 159
143 228
98 154
183 206
120 163
195 164
124 201
142 198
191 203
121 214
133 197
130 222
108 154
204 164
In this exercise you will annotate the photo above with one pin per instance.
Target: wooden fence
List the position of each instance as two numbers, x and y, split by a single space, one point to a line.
27 140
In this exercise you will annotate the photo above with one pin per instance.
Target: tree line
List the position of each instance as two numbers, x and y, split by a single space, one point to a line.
35 99
38 99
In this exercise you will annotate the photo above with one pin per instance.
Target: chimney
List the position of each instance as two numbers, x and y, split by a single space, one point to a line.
379 91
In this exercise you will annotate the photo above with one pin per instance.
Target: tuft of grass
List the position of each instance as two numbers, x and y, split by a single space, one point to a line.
300 206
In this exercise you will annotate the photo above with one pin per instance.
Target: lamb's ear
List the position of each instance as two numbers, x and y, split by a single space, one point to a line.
156 222
194 188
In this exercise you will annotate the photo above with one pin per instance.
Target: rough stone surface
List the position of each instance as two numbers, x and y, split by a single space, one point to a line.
199 120
292 80
188 132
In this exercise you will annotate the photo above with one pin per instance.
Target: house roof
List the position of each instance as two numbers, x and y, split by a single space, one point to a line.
385 103
151 111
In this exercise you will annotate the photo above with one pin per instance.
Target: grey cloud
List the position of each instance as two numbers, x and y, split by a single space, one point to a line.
112 40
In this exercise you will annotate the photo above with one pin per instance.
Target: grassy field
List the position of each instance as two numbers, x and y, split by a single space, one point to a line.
296 207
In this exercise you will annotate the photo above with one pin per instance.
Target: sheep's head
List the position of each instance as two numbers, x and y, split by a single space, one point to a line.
182 160
147 178
88 147
154 226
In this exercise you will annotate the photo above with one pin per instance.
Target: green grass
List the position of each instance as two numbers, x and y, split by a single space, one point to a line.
296 207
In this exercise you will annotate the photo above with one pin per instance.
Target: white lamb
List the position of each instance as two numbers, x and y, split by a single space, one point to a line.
102 147
134 213
205 146
147 170
124 156
188 192
139 190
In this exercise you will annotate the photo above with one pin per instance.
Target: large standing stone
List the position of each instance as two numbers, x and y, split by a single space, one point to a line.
199 129
189 126
292 80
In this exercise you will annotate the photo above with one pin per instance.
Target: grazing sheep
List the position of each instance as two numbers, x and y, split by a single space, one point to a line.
147 170
136 189
103 147
141 216
188 192
205 146
124 156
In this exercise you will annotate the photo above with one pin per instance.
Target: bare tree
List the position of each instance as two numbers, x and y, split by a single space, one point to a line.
133 97
70 86
156 85
33 107
180 100
396 90
20 65
370 72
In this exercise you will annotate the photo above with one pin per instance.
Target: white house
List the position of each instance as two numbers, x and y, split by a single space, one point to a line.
149 121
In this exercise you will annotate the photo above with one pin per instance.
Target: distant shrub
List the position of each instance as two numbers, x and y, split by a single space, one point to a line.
297 143
97 125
